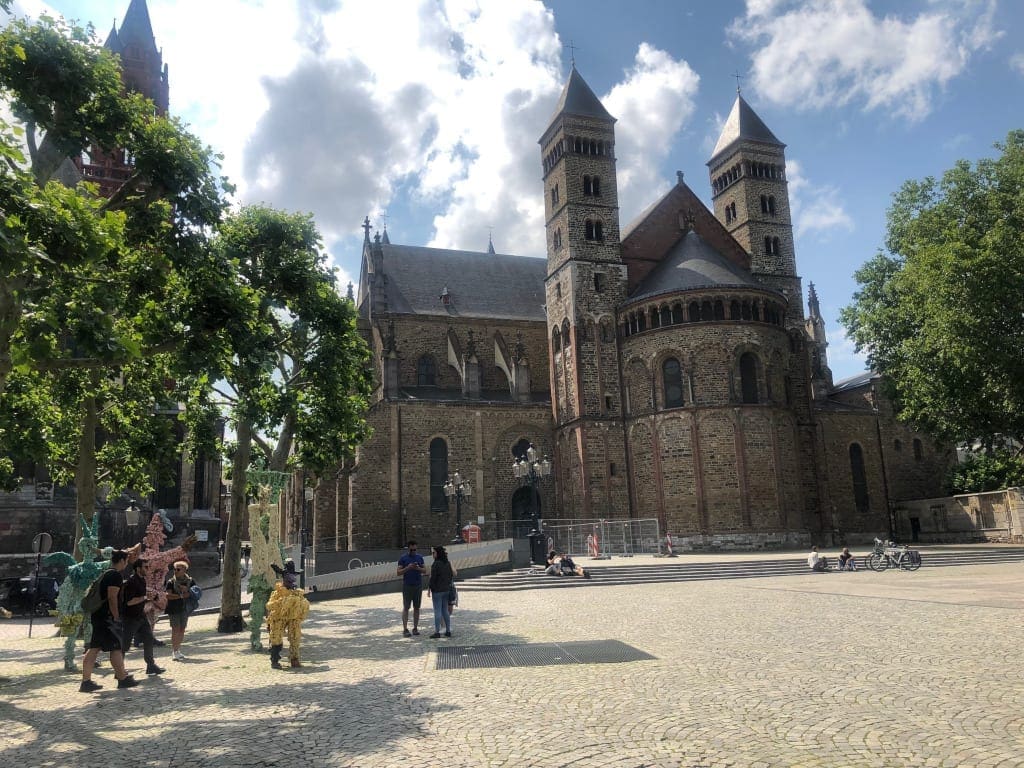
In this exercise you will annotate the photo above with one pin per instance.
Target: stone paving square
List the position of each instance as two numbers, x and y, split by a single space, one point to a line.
863 669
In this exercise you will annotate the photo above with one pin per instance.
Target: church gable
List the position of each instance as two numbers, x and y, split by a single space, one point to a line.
653 235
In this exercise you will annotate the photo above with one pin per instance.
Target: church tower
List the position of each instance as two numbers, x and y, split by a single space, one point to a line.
749 190
142 71
586 281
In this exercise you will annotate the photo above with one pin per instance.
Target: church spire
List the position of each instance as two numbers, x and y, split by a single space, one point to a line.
743 124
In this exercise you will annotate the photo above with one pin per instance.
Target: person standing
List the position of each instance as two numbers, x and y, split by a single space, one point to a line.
137 596
442 575
411 568
108 627
178 589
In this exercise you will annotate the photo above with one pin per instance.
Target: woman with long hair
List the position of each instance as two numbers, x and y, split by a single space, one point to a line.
442 574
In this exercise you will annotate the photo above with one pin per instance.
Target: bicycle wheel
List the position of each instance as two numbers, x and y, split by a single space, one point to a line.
911 563
878 562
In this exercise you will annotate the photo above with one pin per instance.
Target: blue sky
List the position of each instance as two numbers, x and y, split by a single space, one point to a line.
428 111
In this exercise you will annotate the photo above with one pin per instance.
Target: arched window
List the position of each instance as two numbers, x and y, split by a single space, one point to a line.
672 378
917 450
719 310
706 310
593 230
426 372
748 377
554 195
566 335
734 310
556 341
438 474
764 203
655 318
606 331
860 479
677 313
666 316
694 312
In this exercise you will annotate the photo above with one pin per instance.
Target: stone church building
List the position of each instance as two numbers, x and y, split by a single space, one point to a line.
667 368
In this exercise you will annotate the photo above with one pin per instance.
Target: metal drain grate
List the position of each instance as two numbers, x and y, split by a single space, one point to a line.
538 654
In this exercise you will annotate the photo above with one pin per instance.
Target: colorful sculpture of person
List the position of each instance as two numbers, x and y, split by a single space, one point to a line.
264 525
287 608
80 576
157 561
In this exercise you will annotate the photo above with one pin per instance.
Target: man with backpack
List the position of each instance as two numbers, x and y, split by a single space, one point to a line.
107 625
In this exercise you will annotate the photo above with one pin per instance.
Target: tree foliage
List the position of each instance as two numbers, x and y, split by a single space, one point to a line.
103 300
988 472
296 372
940 313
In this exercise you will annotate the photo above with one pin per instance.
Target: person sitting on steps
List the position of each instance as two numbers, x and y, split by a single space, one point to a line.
816 562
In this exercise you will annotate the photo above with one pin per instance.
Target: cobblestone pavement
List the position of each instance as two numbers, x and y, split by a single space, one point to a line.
889 669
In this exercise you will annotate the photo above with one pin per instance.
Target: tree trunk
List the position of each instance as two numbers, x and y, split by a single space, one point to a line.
85 470
231 585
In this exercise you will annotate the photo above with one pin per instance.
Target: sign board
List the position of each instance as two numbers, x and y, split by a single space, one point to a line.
202 535
480 520
41 543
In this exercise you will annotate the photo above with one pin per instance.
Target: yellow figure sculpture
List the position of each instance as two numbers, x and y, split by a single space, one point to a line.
287 608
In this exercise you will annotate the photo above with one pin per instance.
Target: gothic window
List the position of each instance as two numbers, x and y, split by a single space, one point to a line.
438 474
860 479
426 371
917 450
672 379
748 377
593 230
600 282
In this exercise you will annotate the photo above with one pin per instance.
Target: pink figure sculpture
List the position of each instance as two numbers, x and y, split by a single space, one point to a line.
157 561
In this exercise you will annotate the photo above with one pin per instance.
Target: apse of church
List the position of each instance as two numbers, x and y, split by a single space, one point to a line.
666 367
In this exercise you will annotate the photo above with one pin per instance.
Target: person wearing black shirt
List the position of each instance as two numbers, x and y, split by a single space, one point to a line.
136 625
178 587
108 627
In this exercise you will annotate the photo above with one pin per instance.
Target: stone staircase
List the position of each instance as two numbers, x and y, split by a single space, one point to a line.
667 570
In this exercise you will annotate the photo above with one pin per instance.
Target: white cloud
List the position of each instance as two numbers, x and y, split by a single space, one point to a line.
652 104
816 208
1017 62
843 357
823 53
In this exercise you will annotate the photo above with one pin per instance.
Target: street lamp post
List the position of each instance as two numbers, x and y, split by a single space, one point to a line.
459 489
529 469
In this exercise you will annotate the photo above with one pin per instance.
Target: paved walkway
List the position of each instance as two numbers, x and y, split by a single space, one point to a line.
889 669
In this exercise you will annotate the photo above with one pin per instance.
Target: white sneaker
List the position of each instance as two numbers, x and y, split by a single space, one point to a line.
178 656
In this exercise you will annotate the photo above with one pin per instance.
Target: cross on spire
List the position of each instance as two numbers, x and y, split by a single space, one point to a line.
737 75
572 54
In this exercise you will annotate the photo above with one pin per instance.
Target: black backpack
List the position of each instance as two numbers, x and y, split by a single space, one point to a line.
94 598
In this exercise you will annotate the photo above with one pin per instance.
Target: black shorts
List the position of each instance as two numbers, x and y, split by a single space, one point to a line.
412 595
107 635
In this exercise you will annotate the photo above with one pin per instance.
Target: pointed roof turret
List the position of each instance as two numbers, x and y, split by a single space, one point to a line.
578 99
743 123
113 42
813 308
136 25
490 244
385 239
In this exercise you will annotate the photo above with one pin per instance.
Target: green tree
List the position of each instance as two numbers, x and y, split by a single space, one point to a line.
940 313
104 298
296 373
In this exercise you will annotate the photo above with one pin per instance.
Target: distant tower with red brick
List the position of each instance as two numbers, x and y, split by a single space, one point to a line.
142 71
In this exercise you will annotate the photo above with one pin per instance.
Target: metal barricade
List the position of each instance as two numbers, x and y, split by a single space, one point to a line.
601 539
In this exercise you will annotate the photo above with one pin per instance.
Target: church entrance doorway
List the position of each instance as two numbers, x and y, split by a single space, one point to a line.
524 501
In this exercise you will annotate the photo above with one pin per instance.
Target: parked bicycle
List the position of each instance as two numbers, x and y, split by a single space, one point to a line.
889 554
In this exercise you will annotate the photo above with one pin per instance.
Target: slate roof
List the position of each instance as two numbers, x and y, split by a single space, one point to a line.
578 99
484 285
693 263
854 381
743 123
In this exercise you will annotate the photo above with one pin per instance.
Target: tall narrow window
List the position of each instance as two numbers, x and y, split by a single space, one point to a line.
426 372
748 377
592 230
860 479
438 474
771 206
672 378
918 454
599 282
